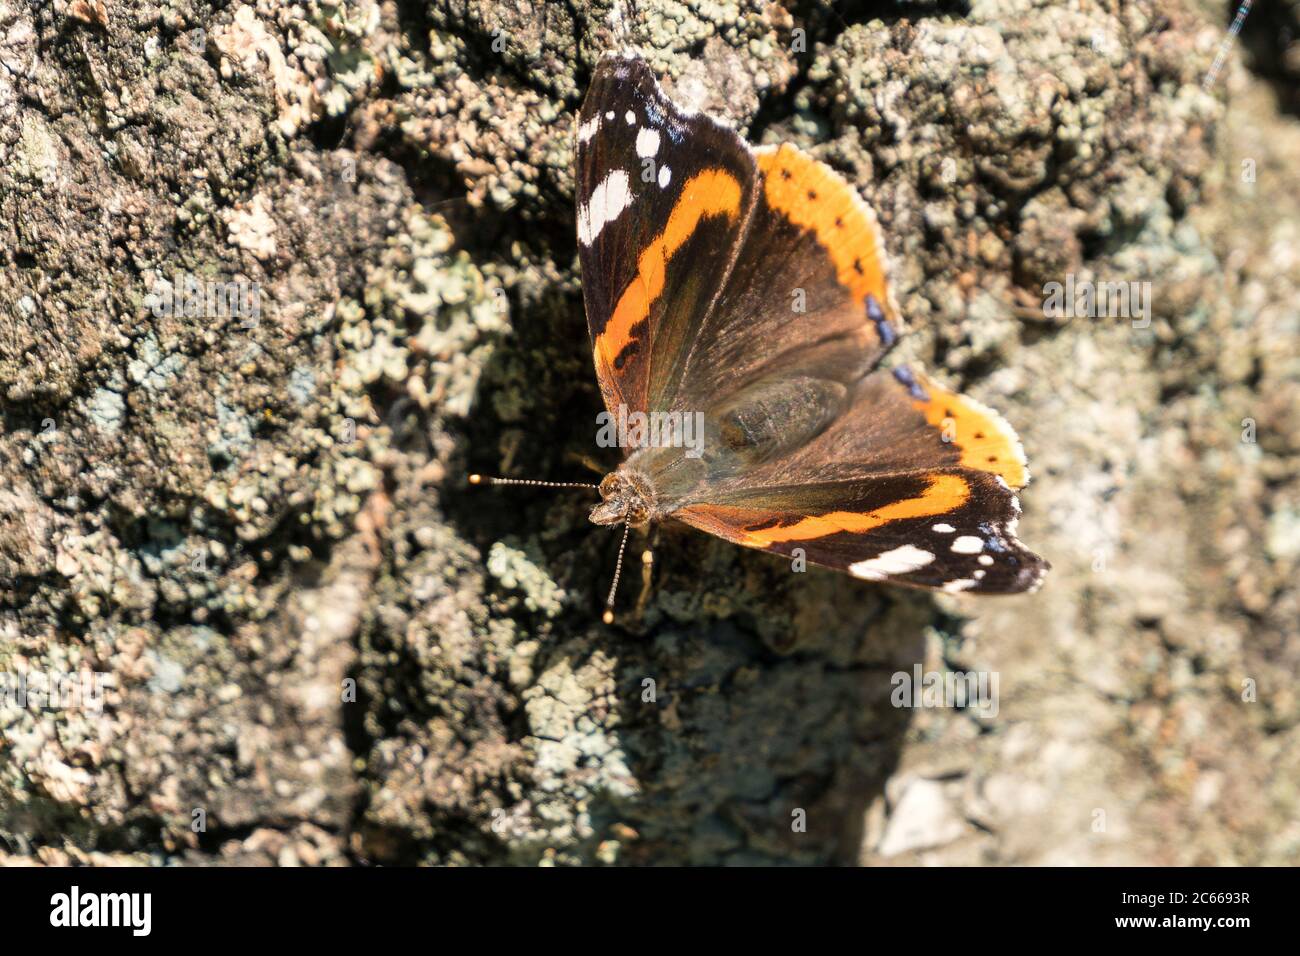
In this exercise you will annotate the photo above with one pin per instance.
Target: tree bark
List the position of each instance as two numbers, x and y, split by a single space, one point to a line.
277 276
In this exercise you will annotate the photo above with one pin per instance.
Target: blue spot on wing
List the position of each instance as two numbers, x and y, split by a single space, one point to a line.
905 376
877 316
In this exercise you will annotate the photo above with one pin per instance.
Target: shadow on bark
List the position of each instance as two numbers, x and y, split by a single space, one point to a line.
750 708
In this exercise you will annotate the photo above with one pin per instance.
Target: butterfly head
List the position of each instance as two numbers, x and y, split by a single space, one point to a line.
626 498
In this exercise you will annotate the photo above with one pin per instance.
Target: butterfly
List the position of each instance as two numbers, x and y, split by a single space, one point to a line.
738 307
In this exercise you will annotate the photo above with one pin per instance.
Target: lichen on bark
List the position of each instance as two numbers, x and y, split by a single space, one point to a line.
321 639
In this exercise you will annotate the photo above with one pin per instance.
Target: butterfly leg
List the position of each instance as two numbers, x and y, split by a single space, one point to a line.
647 571
589 462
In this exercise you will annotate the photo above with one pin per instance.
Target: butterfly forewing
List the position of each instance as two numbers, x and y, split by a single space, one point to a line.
807 294
662 198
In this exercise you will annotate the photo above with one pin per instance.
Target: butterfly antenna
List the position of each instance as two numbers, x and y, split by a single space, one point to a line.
489 480
608 616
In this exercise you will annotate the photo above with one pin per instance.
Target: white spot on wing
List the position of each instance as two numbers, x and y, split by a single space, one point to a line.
943 528
665 174
898 561
985 560
588 129
609 114
964 584
967 544
647 142
607 202
630 117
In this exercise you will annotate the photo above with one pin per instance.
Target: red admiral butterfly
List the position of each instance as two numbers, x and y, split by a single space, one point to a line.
695 248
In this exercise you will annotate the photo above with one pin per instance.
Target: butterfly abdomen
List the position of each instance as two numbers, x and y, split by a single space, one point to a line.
776 416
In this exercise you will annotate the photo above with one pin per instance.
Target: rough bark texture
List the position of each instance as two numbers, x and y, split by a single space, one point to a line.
236 519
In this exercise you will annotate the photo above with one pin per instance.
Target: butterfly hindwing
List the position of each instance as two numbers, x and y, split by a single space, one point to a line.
949 530
899 488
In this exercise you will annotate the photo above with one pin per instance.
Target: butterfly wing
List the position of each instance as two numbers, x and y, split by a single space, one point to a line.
663 197
708 265
913 484
807 294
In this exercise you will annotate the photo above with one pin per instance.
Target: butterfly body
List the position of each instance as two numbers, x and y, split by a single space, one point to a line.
742 292
764 422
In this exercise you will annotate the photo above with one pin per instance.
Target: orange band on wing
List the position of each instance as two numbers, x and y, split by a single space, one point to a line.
814 197
986 442
945 493
713 192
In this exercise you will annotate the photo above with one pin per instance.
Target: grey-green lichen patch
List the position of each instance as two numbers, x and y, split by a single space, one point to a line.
36 156
516 570
168 675
232 436
302 384
576 752
430 320
152 369
101 574
348 33
107 411
163 548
